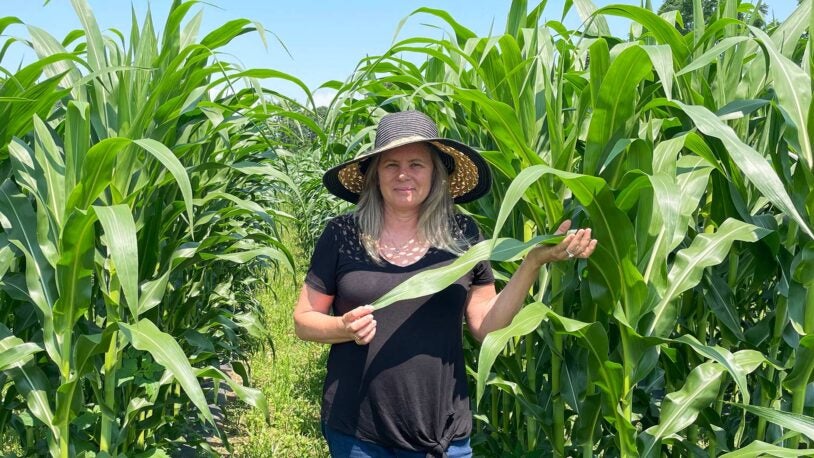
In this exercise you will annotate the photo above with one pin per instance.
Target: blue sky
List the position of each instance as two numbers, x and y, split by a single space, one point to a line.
325 38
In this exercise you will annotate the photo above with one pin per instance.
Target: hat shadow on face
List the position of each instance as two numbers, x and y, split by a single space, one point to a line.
446 159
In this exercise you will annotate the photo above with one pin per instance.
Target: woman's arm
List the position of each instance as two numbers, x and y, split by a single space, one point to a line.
487 311
313 322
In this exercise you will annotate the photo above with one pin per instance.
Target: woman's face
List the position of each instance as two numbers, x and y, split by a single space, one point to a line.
405 176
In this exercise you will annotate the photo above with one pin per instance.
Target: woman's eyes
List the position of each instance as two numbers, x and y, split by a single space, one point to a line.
414 165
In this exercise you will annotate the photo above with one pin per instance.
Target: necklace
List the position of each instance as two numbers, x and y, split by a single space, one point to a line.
392 251
397 250
402 252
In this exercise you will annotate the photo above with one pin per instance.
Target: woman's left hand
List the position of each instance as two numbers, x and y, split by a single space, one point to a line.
576 245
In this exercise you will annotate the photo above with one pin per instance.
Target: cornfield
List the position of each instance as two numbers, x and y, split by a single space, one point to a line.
138 170
690 156
137 173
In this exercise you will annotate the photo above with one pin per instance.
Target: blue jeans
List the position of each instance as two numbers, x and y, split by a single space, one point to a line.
345 446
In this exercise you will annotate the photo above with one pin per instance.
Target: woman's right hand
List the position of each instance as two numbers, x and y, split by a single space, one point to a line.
360 325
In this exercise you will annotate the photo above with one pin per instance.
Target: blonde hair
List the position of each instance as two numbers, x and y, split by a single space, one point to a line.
436 220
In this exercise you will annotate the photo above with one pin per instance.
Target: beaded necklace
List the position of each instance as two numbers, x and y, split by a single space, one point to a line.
404 254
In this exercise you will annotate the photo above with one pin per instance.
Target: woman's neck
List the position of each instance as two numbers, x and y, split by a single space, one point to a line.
400 222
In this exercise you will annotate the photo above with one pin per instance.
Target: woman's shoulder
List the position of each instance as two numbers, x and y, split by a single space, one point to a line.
343 220
465 222
467 226
342 225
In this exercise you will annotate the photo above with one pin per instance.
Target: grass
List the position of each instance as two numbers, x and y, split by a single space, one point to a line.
291 378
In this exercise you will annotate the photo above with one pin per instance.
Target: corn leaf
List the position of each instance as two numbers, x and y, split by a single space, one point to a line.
74 270
664 32
29 380
615 105
803 370
19 223
793 88
77 142
15 352
122 245
750 162
680 408
526 321
758 449
250 396
145 336
798 423
434 280
97 171
706 250
168 159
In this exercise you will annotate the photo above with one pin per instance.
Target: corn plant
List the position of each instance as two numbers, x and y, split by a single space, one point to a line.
690 156
137 208
300 156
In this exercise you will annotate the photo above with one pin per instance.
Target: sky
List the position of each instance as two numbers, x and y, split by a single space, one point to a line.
325 38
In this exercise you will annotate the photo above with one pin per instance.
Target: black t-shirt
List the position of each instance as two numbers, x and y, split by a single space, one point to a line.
407 388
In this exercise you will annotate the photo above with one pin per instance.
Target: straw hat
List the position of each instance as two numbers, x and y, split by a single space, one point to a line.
469 175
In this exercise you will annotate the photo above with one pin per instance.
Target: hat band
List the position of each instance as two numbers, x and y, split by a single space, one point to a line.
402 141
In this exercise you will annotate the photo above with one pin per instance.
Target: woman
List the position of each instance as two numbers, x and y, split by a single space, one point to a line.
396 383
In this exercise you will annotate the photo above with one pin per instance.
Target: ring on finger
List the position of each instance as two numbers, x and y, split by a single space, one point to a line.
570 255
